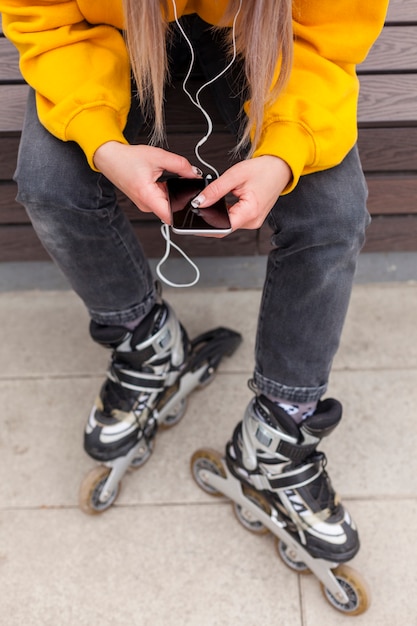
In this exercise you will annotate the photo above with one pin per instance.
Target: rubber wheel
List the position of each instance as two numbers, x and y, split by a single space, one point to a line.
207 461
141 459
356 589
285 555
91 488
246 517
176 416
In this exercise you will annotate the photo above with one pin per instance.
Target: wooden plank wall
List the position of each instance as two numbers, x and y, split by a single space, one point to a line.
387 142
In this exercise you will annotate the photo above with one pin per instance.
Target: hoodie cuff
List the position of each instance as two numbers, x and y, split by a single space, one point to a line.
293 144
92 128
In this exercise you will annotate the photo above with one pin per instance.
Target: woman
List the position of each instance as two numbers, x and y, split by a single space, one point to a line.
299 117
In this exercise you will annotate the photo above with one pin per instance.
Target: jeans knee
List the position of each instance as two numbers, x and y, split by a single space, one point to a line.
348 222
326 209
52 186
36 189
349 226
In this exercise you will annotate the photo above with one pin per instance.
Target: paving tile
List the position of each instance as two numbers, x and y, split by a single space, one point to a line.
372 452
186 565
238 310
167 553
41 441
43 422
380 329
44 327
48 331
176 566
47 334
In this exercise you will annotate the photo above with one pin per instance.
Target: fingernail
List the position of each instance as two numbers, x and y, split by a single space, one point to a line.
197 171
197 201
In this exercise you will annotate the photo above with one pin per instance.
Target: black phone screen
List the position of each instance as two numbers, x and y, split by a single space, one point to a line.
185 217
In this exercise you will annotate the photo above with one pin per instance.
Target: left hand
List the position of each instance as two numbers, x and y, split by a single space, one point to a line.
257 183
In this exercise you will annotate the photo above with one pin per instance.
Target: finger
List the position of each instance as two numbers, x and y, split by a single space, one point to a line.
178 164
160 208
211 194
246 214
227 183
153 199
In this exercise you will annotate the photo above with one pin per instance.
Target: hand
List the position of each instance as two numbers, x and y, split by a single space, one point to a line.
257 183
135 170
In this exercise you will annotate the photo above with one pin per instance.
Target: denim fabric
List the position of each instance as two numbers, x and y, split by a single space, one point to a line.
76 216
318 232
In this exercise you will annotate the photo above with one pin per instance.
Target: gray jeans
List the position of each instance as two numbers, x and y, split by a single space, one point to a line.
318 231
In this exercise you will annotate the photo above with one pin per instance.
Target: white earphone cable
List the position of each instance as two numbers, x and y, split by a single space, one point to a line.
196 102
169 243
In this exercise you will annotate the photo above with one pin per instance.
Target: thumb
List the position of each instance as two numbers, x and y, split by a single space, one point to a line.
213 192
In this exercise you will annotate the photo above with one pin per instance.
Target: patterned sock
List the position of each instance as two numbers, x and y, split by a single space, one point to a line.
134 324
299 411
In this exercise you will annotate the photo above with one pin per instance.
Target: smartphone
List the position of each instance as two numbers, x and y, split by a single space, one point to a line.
185 219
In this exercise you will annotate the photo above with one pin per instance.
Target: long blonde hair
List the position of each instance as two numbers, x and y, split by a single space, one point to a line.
263 40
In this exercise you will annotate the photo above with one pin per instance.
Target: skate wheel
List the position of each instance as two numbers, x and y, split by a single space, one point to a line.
355 587
246 516
204 462
177 414
144 454
289 557
91 489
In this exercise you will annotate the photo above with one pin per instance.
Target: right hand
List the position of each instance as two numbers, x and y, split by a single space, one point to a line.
135 169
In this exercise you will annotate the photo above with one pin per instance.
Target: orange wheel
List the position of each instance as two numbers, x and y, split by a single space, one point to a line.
246 517
91 489
355 588
203 463
289 557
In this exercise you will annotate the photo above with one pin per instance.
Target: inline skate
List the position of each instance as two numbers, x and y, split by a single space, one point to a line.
278 483
153 370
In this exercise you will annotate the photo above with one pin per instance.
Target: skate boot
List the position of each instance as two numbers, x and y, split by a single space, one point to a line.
277 482
144 364
152 372
277 457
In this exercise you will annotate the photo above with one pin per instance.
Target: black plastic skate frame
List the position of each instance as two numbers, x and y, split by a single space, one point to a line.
342 586
101 486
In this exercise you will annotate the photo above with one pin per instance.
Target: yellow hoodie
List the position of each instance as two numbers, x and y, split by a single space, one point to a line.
73 55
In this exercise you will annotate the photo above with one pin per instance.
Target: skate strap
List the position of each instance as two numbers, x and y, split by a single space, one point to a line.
137 381
143 355
291 479
294 451
156 345
300 476
271 439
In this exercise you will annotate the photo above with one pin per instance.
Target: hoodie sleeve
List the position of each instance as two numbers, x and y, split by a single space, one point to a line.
313 123
80 71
